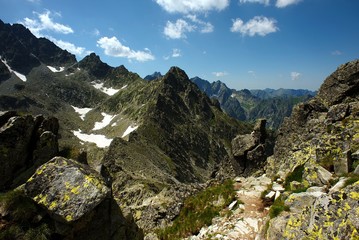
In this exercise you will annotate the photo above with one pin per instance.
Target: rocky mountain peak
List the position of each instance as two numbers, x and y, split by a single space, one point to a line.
341 86
93 64
177 78
23 51
153 76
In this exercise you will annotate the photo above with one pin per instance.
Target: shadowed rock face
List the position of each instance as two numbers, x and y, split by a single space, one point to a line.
341 86
23 51
250 151
26 142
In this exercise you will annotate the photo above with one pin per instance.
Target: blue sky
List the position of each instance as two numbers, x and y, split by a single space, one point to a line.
251 44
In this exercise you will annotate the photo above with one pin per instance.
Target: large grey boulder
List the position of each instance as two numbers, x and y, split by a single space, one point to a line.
66 189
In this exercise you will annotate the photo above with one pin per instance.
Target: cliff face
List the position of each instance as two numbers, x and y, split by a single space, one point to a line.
325 129
320 144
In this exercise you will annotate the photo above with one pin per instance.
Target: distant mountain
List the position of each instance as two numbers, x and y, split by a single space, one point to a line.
271 93
153 76
249 105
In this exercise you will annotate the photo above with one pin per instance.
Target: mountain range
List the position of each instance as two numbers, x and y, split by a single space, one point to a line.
249 105
91 151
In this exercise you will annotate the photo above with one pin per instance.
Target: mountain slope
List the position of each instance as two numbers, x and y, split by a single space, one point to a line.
154 141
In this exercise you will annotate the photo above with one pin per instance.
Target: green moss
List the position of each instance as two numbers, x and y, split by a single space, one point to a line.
199 210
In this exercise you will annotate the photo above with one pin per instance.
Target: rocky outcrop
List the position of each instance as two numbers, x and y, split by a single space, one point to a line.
316 215
250 151
66 189
315 146
323 131
26 142
64 199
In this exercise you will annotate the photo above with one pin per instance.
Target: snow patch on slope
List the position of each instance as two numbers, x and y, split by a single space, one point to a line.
108 91
107 118
82 111
100 140
129 130
56 70
19 75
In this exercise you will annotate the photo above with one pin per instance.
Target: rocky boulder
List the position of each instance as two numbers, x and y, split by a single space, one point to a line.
26 142
251 150
318 216
66 189
341 86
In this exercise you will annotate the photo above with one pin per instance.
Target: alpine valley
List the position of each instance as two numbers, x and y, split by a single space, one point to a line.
90 151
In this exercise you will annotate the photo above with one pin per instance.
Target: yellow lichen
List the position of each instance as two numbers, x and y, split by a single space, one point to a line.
39 171
75 190
340 212
41 199
346 207
68 218
66 198
355 235
53 205
354 195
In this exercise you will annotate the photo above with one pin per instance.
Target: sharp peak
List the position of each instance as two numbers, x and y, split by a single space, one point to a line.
177 72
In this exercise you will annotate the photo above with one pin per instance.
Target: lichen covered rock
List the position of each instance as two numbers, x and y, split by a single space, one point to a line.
319 216
66 189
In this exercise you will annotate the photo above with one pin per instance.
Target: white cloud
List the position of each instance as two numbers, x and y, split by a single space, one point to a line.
46 23
72 48
96 32
69 47
34 1
219 74
176 53
258 25
113 47
205 27
285 3
295 75
178 29
265 2
252 73
188 6
337 53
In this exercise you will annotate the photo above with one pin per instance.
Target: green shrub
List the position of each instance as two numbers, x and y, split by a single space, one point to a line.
20 208
19 220
277 207
199 210
296 175
351 180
